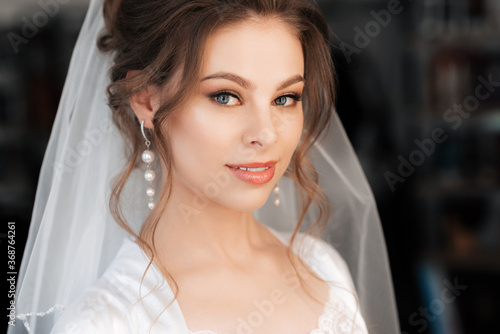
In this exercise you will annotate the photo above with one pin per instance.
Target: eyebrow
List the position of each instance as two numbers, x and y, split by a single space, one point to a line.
249 85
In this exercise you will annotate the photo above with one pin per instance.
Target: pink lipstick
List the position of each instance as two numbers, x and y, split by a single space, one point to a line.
254 172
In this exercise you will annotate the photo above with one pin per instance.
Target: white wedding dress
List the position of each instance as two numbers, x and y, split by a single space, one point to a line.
112 303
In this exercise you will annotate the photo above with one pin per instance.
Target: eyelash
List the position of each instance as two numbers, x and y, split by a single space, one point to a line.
294 96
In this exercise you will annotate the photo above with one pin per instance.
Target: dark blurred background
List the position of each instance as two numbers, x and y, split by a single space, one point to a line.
419 96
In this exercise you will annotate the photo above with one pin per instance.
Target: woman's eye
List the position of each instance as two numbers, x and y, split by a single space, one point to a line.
287 100
226 99
281 101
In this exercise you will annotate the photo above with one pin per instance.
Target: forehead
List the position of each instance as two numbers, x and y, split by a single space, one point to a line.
252 48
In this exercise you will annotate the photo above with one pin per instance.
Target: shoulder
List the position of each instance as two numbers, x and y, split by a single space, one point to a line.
99 309
121 301
324 259
328 264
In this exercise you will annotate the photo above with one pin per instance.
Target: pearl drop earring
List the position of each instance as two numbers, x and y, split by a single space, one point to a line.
276 191
148 157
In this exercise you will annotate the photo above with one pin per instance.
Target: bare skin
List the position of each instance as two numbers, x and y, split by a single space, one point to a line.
227 295
224 262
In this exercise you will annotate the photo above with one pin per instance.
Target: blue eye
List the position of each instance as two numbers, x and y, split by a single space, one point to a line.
287 100
281 101
225 98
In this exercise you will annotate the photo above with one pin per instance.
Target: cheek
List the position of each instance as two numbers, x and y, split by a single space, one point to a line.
197 138
298 129
290 127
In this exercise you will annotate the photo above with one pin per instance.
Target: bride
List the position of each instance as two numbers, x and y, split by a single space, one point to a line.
216 125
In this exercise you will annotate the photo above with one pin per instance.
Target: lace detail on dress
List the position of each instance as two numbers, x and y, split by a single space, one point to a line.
337 318
24 317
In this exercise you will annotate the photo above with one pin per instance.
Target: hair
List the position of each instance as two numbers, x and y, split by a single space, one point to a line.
166 39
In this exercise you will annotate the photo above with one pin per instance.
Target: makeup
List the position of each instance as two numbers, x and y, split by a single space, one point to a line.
254 173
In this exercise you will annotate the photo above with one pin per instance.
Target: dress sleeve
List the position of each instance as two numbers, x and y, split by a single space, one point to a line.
338 262
344 308
328 263
97 311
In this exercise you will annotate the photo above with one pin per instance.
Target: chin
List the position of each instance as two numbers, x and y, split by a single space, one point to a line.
245 201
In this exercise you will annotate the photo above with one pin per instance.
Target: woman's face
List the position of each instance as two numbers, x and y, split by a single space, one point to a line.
246 112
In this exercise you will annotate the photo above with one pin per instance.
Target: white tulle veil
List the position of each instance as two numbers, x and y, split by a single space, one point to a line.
73 236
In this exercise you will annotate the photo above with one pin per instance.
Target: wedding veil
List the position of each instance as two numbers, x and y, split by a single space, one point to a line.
73 237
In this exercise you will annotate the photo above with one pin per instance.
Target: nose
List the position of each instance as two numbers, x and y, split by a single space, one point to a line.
260 129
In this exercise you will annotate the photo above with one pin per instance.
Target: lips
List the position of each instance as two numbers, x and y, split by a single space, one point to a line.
255 172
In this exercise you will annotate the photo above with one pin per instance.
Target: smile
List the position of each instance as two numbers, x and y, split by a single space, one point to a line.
253 169
254 173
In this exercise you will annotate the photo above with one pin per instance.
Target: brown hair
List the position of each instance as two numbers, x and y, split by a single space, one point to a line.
159 37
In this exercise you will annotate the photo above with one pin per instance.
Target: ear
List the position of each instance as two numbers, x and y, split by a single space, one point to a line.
145 103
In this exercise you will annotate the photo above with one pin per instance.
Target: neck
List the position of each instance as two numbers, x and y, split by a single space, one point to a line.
199 229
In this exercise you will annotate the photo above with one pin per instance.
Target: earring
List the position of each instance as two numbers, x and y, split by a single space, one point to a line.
148 157
276 191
